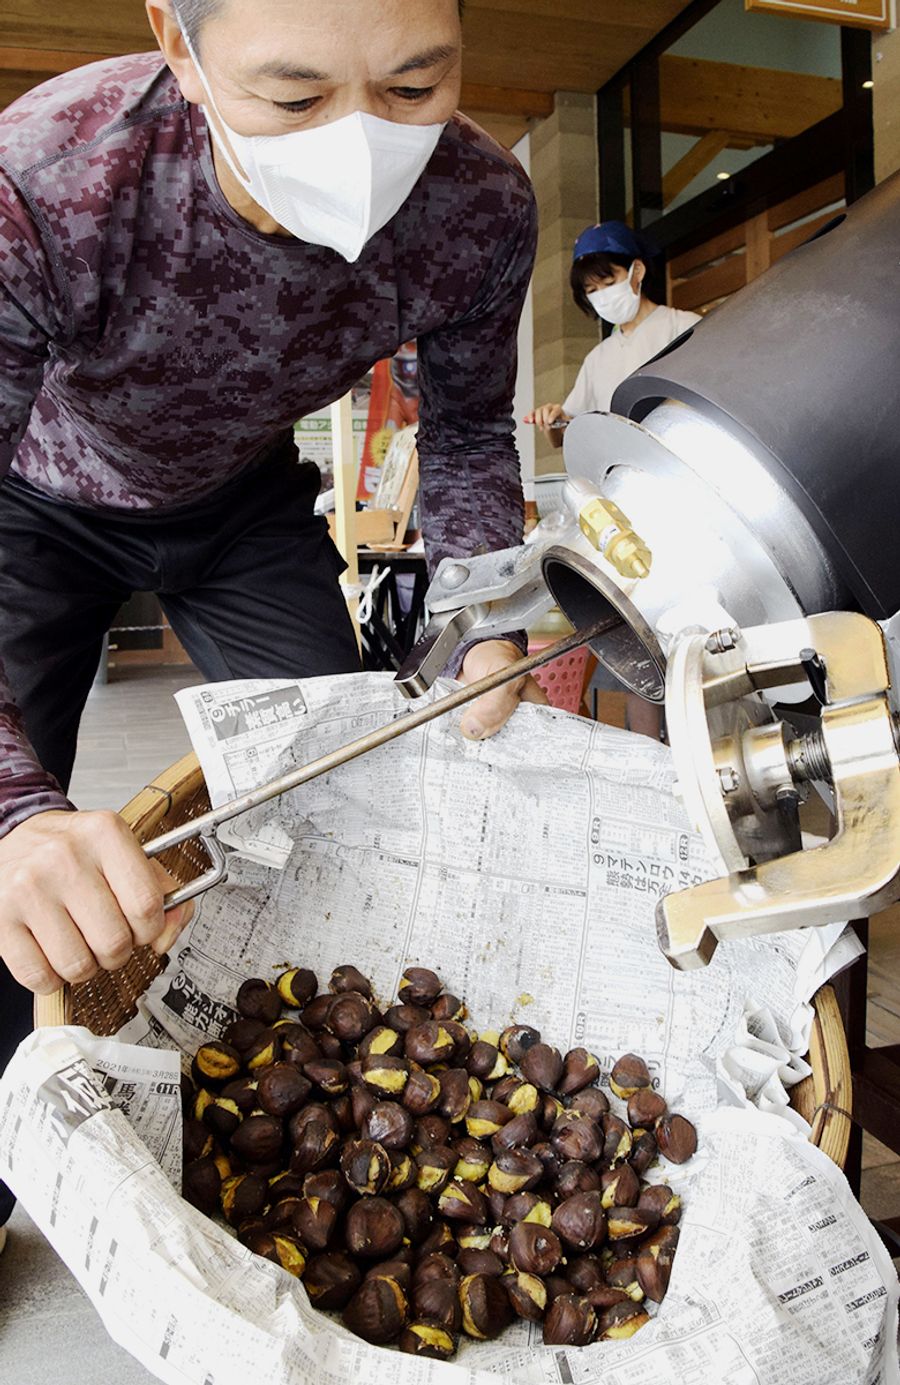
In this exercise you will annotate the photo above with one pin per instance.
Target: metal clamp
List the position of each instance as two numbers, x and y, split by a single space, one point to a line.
218 856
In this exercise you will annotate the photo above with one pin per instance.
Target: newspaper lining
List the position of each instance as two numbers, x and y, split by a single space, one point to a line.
525 871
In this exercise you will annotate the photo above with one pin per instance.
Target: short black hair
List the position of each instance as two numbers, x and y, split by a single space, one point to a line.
193 14
602 266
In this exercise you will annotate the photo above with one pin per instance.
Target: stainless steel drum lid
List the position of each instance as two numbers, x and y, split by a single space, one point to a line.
727 541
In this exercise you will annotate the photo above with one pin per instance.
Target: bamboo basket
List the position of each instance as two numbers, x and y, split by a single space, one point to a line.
104 1004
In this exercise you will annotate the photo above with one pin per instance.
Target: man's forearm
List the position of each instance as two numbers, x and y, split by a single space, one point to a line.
25 787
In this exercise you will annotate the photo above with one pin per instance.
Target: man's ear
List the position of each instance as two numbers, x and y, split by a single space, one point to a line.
168 35
638 274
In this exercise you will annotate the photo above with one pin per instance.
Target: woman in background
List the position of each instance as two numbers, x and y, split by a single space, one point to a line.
609 270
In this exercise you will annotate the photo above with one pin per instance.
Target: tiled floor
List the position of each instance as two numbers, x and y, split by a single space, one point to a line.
130 732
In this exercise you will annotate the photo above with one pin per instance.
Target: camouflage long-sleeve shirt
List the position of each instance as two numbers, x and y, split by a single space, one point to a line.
153 344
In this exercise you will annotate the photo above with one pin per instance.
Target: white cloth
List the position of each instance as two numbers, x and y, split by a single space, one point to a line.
613 360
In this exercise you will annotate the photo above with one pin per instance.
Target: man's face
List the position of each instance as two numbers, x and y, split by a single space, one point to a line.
279 65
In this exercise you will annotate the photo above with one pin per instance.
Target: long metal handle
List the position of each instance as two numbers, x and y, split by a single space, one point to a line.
206 825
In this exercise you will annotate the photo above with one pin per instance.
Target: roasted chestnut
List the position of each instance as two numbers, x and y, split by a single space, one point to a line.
350 1016
296 987
542 1066
516 1040
580 1069
570 1322
580 1221
429 1043
349 978
215 1063
660 1198
373 1228
317 1145
314 1221
622 1320
579 1139
435 1167
405 1017
258 1000
378 1311
258 1139
455 1097
628 1075
645 1107
621 1186
425 1337
282 1089
381 1041
575 1177
527 1294
534 1249
448 1007
421 1093
331 1280
418 986
388 1124
485 1118
676 1138
414 1207
366 1167
486 1308
384 1075
515 1171
460 1201
623 1223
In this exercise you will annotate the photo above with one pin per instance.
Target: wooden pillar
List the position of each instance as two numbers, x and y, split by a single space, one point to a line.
758 246
564 173
346 477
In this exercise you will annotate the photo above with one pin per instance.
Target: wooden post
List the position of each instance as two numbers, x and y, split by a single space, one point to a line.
759 251
346 477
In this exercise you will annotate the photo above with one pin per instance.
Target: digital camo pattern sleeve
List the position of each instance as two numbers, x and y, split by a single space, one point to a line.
29 322
471 489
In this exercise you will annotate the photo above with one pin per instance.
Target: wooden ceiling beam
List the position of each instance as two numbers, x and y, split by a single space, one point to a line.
506 130
109 27
506 101
756 103
645 17
681 174
51 61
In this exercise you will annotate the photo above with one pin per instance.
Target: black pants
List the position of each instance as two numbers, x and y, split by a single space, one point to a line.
247 578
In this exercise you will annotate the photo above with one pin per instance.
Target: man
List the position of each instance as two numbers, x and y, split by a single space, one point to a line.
192 255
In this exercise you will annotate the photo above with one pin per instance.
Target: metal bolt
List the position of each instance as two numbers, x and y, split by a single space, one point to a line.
729 780
720 641
454 575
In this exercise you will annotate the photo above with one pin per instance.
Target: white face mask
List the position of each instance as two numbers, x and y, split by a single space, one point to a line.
335 185
619 303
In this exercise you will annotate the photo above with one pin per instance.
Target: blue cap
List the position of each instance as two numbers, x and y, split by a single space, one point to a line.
613 238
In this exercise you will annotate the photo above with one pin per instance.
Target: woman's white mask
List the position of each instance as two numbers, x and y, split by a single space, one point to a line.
618 303
335 185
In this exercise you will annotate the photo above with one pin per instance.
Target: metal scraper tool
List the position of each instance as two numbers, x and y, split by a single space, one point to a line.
205 827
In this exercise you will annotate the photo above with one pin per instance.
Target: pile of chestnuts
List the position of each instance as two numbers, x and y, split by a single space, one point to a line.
424 1181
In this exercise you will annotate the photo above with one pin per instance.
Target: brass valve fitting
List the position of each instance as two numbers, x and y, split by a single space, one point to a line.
609 531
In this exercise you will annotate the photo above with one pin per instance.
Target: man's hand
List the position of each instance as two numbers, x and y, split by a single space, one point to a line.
78 894
485 717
